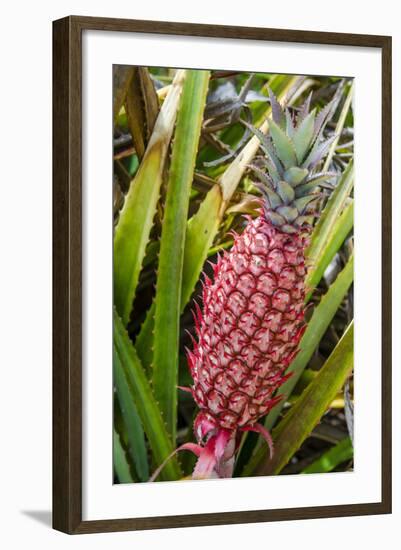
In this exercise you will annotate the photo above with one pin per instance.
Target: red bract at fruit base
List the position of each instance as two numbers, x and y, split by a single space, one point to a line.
252 318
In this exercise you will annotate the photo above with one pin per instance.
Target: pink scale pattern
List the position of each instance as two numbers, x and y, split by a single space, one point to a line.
250 325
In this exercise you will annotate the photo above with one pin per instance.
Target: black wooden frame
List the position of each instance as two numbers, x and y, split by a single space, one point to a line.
67 273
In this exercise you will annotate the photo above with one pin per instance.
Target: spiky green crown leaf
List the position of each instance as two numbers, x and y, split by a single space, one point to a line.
287 175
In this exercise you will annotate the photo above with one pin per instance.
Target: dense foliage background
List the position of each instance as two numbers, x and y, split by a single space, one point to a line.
152 289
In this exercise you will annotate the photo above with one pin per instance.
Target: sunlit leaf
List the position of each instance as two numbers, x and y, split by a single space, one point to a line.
136 218
168 288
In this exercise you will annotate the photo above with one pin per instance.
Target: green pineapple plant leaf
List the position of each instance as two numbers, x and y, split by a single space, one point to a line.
269 265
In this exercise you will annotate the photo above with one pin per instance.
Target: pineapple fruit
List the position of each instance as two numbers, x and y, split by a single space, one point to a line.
252 316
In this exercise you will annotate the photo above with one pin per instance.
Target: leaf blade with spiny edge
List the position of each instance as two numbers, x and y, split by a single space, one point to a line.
283 145
135 221
314 181
339 127
275 167
277 111
317 153
145 402
304 109
142 107
329 110
132 423
285 191
319 147
120 461
201 231
272 198
172 243
303 135
289 124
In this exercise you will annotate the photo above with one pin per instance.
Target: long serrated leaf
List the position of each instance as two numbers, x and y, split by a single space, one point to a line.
150 100
311 405
304 109
275 167
314 181
169 278
339 127
263 176
289 124
303 202
332 458
273 199
325 114
136 217
201 231
317 326
120 461
283 145
320 147
303 135
135 435
328 111
317 153
340 230
324 227
145 402
305 188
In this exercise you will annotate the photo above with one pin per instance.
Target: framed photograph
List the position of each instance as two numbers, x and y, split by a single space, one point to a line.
222 274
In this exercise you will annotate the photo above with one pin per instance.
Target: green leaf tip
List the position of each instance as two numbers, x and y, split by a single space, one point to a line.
283 145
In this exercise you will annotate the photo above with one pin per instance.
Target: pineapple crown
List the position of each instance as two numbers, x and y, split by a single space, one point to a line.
292 150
